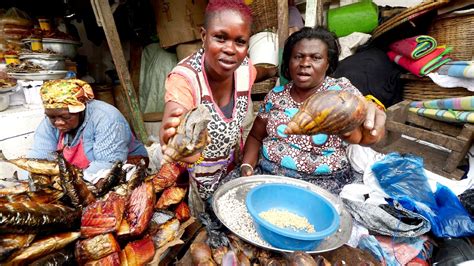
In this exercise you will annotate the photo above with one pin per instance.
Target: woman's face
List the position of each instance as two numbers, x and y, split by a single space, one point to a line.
62 119
309 63
226 43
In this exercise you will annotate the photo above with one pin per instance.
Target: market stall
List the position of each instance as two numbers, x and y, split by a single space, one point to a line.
414 207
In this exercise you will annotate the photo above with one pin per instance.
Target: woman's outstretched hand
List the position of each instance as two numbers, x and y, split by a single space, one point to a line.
373 129
170 125
169 129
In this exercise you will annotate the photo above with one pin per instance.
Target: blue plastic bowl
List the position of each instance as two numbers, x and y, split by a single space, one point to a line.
303 202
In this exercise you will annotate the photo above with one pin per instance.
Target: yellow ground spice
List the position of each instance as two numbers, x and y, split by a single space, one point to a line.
286 219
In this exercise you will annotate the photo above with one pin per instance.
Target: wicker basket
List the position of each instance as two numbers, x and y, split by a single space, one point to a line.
265 15
264 87
420 90
456 32
407 15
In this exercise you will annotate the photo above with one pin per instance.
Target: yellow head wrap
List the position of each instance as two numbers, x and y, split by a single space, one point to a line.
66 93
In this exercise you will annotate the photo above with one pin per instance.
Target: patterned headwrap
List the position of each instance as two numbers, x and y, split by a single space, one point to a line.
66 93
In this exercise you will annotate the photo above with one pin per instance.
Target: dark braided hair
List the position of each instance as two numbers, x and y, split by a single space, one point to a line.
319 33
215 6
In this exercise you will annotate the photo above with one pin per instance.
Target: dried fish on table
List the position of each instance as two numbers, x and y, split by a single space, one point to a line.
86 195
166 176
166 232
96 248
32 217
191 135
73 184
10 243
137 178
103 216
140 208
170 196
35 166
43 246
41 180
182 212
138 252
110 260
61 257
112 178
41 196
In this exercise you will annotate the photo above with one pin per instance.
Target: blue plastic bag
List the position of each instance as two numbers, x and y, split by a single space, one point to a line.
404 176
403 179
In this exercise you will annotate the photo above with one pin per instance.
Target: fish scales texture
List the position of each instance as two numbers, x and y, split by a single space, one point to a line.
170 196
26 217
115 175
43 246
166 232
139 252
96 248
35 166
10 243
140 208
68 181
103 216
40 196
61 257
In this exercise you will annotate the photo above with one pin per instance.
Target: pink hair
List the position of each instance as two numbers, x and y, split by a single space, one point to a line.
239 6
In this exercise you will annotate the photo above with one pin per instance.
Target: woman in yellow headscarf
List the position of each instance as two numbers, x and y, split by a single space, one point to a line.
90 133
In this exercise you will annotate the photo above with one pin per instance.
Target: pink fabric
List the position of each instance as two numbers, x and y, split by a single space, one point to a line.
414 66
404 47
75 155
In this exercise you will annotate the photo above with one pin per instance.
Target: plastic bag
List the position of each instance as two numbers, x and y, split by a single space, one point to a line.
403 179
403 176
449 219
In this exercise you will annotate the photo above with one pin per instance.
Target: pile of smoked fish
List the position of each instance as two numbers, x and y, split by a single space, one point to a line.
58 218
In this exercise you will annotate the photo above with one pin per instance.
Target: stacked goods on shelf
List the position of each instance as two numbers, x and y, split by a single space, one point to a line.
14 26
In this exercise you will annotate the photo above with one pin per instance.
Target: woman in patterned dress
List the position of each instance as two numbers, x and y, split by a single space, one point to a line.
309 56
220 77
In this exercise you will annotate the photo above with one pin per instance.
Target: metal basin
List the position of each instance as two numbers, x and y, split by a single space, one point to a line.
46 61
66 48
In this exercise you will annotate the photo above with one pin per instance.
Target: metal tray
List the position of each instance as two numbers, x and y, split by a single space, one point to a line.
41 75
43 56
244 185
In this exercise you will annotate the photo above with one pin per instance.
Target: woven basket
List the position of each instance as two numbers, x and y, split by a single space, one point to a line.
407 15
264 87
420 90
456 32
265 15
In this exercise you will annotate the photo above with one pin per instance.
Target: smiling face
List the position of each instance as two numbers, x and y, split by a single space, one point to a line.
63 120
308 63
225 40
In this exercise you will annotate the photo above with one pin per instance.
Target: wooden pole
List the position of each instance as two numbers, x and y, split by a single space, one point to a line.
282 22
105 19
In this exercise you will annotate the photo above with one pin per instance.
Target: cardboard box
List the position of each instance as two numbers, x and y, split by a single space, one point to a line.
179 21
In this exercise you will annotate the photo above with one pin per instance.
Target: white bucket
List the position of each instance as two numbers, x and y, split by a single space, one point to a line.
263 48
